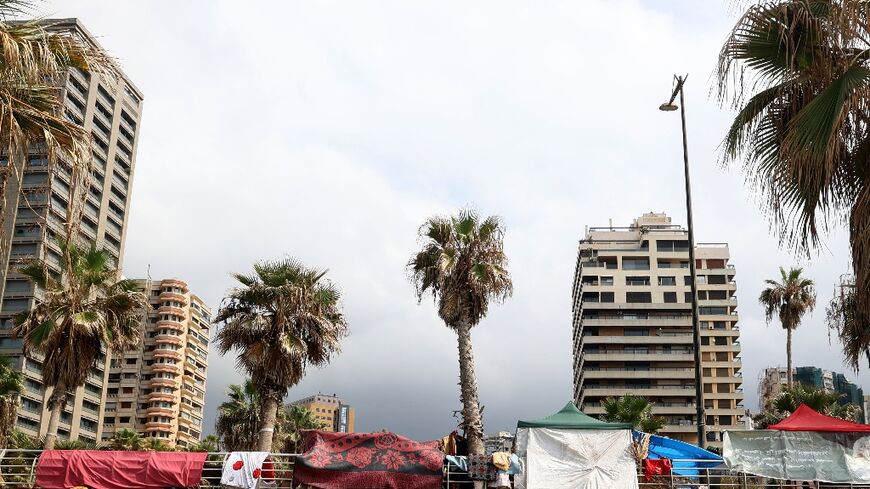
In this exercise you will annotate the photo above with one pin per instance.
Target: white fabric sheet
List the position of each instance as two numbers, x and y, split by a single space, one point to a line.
243 470
575 459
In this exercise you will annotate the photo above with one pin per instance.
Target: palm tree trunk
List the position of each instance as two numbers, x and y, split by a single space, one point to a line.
471 419
267 426
788 356
56 402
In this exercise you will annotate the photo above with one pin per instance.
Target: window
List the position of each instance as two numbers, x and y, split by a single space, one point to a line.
636 332
717 279
607 297
641 263
667 281
672 245
688 297
606 280
638 297
670 297
637 281
714 310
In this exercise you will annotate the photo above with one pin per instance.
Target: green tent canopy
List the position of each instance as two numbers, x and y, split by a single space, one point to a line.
572 418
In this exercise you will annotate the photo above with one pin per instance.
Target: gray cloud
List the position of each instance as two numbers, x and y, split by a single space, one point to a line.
330 130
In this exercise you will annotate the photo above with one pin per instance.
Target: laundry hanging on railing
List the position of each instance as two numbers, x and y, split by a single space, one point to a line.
244 470
61 469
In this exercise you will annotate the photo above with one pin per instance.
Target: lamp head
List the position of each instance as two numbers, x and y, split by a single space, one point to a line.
668 107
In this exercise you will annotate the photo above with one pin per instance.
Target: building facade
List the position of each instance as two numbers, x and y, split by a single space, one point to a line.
335 414
159 390
771 382
37 195
632 321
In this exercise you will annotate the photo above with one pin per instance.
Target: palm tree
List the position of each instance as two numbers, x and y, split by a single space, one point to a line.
463 265
632 409
155 445
208 444
820 400
84 311
293 420
126 439
798 73
10 387
238 418
789 300
842 317
284 318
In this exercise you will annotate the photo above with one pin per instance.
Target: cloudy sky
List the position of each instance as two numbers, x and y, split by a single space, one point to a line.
330 130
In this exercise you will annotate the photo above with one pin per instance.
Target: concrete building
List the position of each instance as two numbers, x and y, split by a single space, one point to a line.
771 382
38 194
632 324
159 391
335 414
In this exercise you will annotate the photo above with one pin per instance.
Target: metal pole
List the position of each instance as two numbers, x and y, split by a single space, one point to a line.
696 327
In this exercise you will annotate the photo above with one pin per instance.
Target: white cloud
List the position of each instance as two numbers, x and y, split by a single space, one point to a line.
330 130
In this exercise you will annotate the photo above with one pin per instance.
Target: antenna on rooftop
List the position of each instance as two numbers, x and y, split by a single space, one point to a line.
610 223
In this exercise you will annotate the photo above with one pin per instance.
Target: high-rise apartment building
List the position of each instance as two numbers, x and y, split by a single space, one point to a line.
632 318
159 390
335 414
37 196
771 382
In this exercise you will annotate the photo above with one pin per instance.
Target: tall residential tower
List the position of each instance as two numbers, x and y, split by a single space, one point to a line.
108 107
632 320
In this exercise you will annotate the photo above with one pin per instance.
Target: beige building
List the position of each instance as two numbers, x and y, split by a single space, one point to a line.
335 414
159 391
109 107
632 321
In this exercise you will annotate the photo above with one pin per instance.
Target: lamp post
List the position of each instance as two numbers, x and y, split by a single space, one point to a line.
669 106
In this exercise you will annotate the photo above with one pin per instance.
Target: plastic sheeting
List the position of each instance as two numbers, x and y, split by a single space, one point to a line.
800 455
575 459
60 469
686 458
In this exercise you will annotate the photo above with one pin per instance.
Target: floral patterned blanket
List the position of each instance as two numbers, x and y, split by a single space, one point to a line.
371 460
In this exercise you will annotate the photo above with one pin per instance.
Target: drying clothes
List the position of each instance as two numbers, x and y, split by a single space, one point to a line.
61 469
502 481
501 460
245 469
656 466
480 468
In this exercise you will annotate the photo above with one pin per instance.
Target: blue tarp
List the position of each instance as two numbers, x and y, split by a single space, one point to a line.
685 457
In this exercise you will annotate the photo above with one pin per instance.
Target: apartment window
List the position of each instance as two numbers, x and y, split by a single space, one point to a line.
672 245
131 361
688 297
714 310
724 404
636 332
670 297
607 297
667 281
606 280
637 281
640 263
717 295
638 297
716 279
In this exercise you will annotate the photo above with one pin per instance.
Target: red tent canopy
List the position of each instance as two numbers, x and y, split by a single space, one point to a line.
806 419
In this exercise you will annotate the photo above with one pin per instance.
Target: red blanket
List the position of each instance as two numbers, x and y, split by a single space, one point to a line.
369 460
61 469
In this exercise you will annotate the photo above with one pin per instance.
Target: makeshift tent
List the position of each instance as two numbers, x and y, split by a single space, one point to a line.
60 469
371 460
686 458
570 450
839 449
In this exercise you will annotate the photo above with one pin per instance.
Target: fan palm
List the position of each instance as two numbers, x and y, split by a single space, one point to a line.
788 300
463 265
10 386
820 400
33 62
84 311
842 317
284 318
293 420
126 439
798 72
632 409
238 418
208 444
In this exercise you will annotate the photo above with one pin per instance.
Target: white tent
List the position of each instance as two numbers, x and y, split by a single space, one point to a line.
570 450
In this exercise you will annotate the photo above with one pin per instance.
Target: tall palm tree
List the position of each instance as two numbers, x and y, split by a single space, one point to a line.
788 300
11 384
238 418
632 409
798 73
284 318
83 311
463 265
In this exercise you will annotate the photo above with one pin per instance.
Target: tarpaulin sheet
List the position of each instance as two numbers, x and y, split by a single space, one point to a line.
686 458
800 455
60 469
575 459
368 460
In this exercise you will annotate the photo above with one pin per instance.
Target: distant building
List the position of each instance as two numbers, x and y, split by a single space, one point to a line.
503 441
335 414
773 380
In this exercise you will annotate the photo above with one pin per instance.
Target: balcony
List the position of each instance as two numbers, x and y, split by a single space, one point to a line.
159 411
163 353
638 357
652 373
174 282
173 296
171 324
654 390
682 338
171 310
169 339
158 382
165 367
674 320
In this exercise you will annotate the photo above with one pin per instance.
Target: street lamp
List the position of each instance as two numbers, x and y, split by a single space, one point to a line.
669 106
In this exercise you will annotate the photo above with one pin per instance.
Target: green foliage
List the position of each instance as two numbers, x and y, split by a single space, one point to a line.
11 384
787 402
208 444
292 420
126 439
843 318
157 445
632 409
76 445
